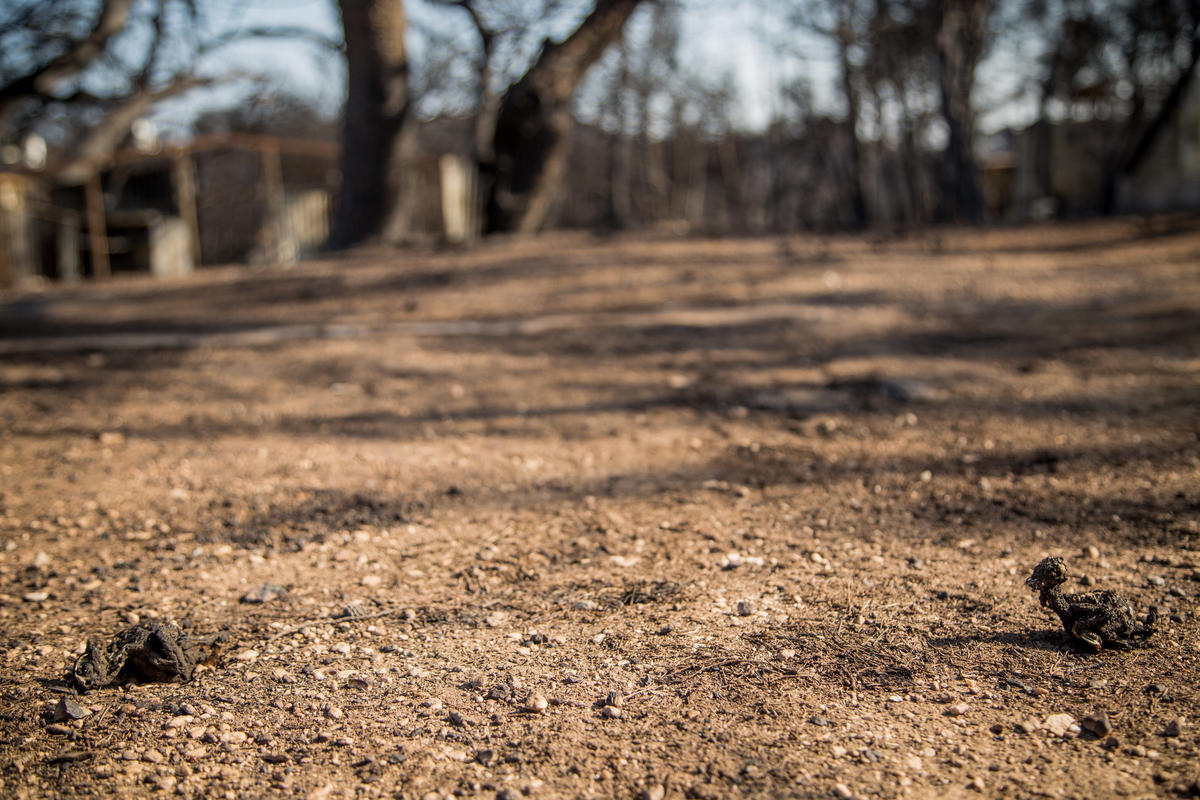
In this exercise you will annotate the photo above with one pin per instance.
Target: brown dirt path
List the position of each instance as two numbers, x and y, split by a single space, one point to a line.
774 499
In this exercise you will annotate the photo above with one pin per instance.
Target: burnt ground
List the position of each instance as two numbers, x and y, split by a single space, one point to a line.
773 500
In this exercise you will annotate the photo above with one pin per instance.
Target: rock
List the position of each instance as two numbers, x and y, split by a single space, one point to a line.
819 721
914 763
485 756
55 729
843 791
745 608
69 708
1098 724
36 597
266 593
153 757
247 656
655 791
333 712
581 605
611 712
110 438
536 703
977 784
1175 727
275 758
614 699
957 710
1058 724
1028 725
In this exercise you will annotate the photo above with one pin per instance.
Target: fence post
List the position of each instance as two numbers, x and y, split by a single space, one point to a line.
185 199
282 248
97 227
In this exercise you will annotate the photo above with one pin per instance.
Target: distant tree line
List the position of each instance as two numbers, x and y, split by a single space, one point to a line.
583 113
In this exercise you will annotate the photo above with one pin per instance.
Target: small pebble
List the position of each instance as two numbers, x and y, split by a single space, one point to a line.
264 594
69 708
745 608
843 791
654 792
36 597
1175 727
57 730
536 703
610 712
957 710
1058 724
1098 724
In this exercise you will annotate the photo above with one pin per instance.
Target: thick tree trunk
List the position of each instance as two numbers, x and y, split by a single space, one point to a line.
961 37
534 124
377 110
858 199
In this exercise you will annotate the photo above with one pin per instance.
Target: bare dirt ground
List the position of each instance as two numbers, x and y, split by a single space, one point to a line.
617 518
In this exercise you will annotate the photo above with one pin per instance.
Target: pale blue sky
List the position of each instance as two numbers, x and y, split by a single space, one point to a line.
720 40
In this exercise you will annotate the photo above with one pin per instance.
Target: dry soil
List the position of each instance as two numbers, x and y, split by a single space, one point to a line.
631 517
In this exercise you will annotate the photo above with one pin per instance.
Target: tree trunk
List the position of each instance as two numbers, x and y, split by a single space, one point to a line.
376 113
858 200
534 124
961 38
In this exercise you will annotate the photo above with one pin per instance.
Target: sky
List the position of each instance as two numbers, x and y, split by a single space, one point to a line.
722 39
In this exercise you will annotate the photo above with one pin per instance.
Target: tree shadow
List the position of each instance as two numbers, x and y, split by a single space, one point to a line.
1034 639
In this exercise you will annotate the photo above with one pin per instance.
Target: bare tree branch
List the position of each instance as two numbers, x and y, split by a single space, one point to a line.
299 33
106 135
44 79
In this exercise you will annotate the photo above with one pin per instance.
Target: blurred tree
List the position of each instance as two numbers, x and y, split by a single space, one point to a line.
84 72
961 39
534 120
376 136
846 23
